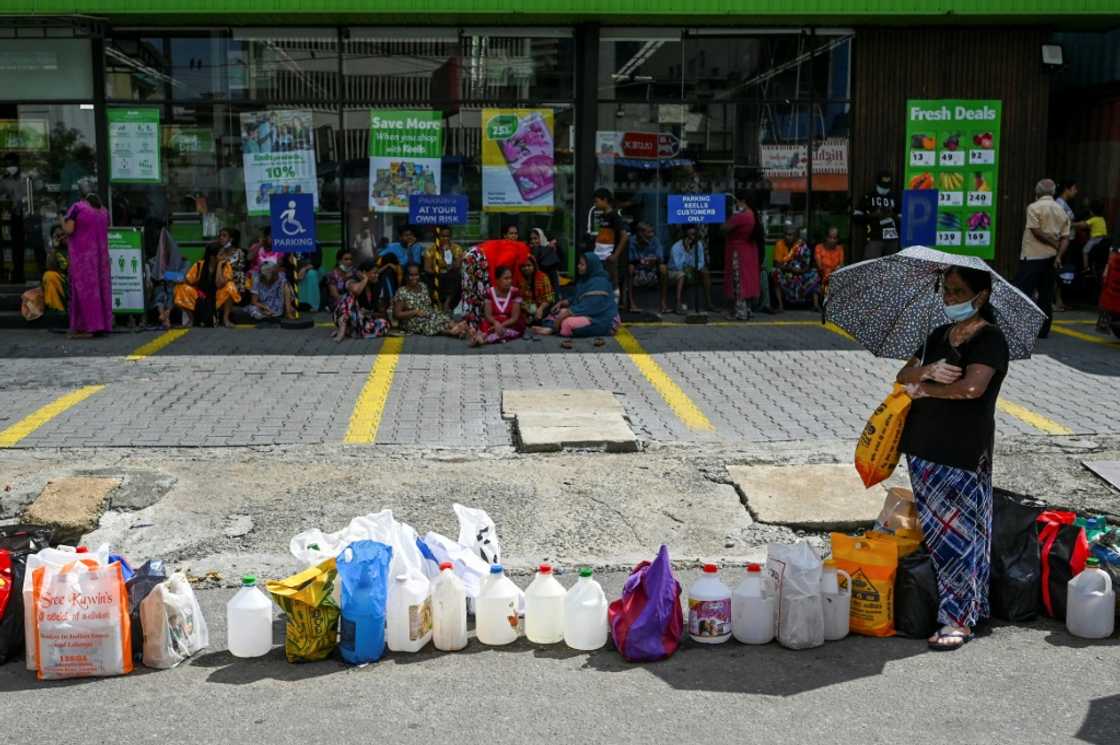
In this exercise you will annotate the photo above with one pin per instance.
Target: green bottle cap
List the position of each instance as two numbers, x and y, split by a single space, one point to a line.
1093 563
248 581
585 572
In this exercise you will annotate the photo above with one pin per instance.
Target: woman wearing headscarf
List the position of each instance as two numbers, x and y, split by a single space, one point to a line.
537 293
91 295
593 311
547 255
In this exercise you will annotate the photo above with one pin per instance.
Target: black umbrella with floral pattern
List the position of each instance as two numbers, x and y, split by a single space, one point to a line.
890 305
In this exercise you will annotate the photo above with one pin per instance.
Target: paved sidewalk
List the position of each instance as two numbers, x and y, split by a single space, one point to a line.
784 380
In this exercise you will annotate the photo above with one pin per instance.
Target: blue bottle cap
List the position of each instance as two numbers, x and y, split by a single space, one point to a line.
495 569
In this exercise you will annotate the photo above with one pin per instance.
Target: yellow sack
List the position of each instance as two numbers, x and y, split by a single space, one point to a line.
312 631
877 450
905 542
872 565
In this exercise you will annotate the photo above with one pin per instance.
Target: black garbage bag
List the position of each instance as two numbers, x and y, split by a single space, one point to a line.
1016 577
19 541
915 596
142 582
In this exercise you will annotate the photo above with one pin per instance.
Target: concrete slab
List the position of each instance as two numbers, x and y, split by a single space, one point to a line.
1109 470
71 506
564 401
538 433
812 497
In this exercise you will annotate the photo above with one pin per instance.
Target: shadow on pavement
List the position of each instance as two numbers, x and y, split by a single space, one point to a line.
230 670
1102 722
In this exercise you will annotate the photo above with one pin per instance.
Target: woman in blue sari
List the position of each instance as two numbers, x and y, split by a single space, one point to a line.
592 311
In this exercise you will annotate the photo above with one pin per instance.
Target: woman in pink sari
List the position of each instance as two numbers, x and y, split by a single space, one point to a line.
91 297
745 239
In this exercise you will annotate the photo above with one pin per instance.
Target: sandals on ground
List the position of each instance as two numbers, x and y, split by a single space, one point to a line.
939 643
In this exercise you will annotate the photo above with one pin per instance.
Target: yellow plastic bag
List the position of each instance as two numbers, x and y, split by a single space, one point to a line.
905 542
312 631
877 450
872 565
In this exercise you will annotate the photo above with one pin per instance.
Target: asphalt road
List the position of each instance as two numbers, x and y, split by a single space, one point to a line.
1017 684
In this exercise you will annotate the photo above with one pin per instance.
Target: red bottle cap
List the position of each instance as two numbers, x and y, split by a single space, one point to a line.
81 550
545 569
752 567
446 565
710 569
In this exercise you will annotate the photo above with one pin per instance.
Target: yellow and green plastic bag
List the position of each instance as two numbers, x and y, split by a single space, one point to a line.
312 631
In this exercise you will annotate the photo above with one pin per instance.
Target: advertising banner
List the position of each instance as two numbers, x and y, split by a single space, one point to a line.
405 157
518 160
952 146
187 141
278 152
696 209
134 146
433 209
126 270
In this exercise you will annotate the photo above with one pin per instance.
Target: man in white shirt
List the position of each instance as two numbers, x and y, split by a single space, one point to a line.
1045 239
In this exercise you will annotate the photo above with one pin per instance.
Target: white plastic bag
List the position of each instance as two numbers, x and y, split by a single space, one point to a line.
55 558
174 628
468 566
795 574
478 533
313 547
81 626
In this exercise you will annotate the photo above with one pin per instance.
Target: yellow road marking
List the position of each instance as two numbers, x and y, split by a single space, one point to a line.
1077 322
156 344
1086 337
366 418
837 330
1039 422
13 434
677 399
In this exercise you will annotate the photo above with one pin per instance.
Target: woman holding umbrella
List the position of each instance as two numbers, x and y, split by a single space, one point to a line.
954 381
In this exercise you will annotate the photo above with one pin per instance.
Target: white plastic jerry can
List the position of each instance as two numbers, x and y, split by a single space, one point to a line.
544 608
837 601
496 618
585 614
449 610
752 609
249 620
1091 606
410 613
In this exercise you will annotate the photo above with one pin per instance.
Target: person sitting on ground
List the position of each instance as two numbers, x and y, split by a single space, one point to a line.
593 311
537 293
647 266
361 314
511 233
261 253
272 295
688 265
54 278
338 277
230 240
794 278
443 266
547 254
829 257
414 310
309 281
504 318
207 290
389 278
407 249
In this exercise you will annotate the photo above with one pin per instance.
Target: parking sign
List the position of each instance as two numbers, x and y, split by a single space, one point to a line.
293 223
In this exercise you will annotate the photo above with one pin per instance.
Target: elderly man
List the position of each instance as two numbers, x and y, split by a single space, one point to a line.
1045 239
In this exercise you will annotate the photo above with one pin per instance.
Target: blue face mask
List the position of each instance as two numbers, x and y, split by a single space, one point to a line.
960 311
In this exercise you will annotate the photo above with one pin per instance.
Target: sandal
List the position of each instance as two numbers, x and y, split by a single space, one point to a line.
566 344
600 342
939 643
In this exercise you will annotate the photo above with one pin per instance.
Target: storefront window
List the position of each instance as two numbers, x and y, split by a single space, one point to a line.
136 68
45 69
283 64
200 67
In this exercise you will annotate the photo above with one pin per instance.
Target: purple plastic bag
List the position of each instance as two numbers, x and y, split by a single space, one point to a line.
647 621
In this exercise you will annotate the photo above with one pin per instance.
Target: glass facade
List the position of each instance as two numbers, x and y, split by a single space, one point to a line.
674 111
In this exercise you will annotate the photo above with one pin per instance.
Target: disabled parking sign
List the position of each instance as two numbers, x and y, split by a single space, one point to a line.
293 223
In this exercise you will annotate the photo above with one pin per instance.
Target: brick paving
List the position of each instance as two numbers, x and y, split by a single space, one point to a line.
755 382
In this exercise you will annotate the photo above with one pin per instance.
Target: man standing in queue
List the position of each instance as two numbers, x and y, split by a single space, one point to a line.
879 211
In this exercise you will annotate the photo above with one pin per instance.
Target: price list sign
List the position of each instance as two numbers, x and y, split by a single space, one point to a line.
952 146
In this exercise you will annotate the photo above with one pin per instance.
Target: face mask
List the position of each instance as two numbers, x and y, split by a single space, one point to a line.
960 311
883 190
347 267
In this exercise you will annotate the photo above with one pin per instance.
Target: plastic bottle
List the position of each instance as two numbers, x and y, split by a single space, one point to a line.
410 613
1091 607
837 603
544 608
752 609
585 614
496 617
449 610
709 608
249 620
